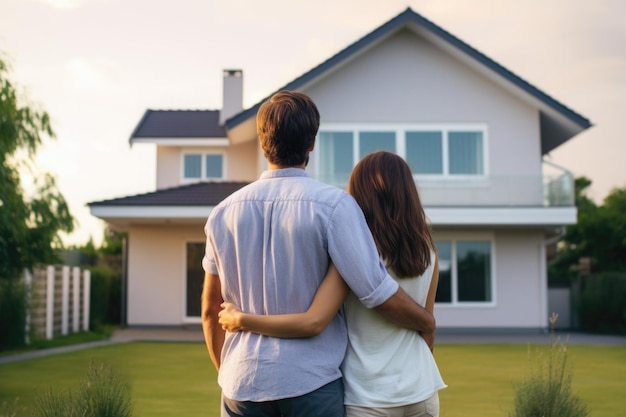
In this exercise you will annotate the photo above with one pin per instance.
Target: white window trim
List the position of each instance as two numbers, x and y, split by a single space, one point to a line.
202 178
465 236
400 134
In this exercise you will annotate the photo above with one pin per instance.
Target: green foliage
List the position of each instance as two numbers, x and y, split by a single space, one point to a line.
105 263
29 224
113 242
101 394
12 314
106 297
600 234
602 303
547 391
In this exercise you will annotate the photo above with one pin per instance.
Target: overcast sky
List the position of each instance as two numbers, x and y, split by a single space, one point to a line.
96 65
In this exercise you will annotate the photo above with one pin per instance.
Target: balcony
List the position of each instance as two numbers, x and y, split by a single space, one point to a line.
499 191
554 188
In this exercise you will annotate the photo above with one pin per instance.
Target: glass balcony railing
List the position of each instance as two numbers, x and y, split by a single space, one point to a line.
551 189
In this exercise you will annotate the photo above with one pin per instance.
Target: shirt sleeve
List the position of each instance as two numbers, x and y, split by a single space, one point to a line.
208 260
352 250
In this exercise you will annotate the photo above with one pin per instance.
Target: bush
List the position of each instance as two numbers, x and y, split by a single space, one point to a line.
106 297
101 394
12 314
602 303
547 391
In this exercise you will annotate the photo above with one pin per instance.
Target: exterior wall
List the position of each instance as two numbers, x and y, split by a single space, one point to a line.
240 162
520 299
167 167
406 80
157 273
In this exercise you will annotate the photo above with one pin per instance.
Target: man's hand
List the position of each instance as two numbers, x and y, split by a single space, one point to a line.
402 310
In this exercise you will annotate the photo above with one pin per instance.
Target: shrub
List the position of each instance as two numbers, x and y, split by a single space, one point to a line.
12 314
602 303
105 298
101 394
547 391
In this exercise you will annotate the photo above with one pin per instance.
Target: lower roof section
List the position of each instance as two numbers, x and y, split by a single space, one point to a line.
122 217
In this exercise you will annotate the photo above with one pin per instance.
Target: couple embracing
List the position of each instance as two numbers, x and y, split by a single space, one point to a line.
313 297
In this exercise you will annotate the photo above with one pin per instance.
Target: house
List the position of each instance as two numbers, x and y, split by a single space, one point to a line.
473 132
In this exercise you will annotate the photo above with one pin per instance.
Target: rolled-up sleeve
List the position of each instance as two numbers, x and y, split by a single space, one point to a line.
208 260
352 250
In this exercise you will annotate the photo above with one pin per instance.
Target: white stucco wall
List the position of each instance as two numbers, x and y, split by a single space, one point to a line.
243 161
156 273
168 166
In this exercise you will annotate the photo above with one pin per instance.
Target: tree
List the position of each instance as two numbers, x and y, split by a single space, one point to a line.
599 234
30 224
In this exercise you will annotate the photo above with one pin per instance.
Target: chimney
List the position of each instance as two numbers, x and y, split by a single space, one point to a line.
232 102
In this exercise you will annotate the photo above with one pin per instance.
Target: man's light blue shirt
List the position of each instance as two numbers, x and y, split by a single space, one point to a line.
271 243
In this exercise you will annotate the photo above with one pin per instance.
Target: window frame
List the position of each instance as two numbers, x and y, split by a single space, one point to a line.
400 131
454 238
185 284
203 177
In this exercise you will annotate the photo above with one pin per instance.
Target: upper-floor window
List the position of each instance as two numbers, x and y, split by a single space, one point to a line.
443 151
198 166
465 271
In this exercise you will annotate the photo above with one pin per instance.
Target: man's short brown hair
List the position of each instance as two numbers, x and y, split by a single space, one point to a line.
287 124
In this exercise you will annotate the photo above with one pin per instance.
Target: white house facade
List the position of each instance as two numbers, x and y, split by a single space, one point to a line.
474 134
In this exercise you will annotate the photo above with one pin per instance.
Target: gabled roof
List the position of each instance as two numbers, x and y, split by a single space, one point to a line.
197 194
554 130
179 124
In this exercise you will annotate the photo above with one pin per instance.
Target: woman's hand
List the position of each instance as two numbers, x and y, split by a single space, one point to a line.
230 317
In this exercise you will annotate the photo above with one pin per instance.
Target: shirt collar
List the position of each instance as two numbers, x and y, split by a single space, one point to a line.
284 172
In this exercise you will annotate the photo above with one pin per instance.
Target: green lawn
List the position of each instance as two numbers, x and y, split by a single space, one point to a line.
177 379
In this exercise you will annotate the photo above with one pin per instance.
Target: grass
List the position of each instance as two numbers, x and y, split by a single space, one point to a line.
103 333
174 379
166 379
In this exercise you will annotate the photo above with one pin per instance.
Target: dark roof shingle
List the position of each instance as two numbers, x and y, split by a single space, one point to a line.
197 194
179 124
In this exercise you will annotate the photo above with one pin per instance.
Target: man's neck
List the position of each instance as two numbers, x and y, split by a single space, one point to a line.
271 166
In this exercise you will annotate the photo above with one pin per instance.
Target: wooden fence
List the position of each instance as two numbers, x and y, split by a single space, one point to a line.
58 297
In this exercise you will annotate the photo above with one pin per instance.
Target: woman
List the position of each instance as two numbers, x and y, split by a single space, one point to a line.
388 370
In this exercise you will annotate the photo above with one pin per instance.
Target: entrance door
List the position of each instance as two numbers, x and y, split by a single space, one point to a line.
195 277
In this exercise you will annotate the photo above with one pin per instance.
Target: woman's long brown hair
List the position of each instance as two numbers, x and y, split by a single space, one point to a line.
383 185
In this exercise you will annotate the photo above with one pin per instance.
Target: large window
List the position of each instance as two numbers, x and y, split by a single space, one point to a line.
197 166
440 151
465 271
340 150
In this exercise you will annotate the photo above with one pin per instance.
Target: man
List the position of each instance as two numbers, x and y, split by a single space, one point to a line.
268 248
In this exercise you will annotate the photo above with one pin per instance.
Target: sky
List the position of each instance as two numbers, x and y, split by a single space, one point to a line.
96 65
